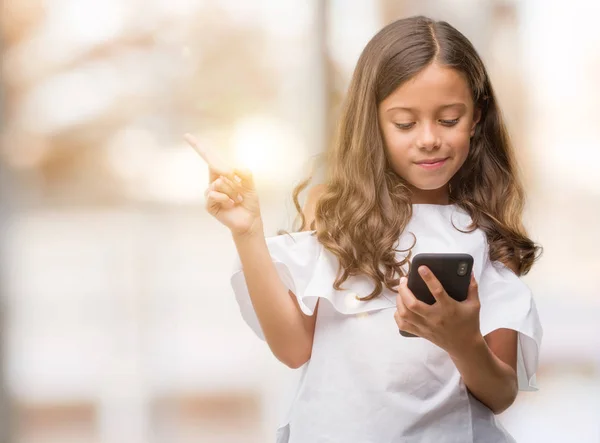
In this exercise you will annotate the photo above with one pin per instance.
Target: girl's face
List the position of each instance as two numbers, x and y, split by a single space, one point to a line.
427 124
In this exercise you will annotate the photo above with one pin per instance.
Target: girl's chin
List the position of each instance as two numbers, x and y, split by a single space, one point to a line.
440 186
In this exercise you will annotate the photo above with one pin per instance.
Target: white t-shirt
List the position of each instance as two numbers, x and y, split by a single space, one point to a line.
365 383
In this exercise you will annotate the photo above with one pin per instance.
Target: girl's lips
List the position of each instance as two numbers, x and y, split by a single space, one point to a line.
432 164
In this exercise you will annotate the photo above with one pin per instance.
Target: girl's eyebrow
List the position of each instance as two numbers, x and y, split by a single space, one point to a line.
462 106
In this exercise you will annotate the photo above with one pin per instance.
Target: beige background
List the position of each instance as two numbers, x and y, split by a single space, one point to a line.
119 323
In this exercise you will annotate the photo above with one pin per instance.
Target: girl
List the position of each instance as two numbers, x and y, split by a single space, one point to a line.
422 163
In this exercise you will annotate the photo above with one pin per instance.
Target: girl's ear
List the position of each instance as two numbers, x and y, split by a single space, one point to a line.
476 118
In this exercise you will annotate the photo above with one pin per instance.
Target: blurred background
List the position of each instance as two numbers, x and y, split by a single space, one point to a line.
117 320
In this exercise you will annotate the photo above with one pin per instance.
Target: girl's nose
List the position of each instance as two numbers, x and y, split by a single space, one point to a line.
428 138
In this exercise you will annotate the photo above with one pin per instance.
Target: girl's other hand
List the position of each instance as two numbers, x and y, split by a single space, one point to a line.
231 195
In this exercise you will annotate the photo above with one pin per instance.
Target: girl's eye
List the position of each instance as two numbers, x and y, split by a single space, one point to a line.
449 122
404 126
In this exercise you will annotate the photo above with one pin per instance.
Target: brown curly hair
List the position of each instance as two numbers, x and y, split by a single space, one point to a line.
365 206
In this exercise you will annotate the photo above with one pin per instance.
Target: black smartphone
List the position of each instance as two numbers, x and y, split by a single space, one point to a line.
452 270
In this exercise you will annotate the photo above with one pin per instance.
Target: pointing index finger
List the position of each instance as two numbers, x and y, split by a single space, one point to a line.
214 161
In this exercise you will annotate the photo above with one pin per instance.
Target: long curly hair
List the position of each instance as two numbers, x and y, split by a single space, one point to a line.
365 206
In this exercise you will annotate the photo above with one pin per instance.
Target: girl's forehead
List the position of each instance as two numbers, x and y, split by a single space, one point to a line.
435 86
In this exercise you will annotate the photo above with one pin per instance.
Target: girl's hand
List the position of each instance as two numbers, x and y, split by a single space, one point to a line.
231 195
449 324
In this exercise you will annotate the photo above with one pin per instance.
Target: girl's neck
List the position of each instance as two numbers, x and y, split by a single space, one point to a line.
430 197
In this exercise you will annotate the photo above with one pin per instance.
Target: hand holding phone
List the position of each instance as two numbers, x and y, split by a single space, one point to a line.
453 270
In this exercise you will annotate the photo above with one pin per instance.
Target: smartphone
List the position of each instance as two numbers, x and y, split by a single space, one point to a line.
452 270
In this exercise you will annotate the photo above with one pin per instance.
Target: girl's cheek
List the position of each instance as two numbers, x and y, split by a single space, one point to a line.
401 141
460 139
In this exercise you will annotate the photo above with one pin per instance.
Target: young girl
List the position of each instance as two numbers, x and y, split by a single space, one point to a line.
422 164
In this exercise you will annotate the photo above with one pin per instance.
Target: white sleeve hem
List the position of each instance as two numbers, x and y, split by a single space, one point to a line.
507 303
528 347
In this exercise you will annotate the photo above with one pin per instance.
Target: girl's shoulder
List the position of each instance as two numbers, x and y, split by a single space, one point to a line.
302 241
432 226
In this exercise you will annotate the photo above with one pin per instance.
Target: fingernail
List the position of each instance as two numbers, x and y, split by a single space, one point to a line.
423 270
240 198
237 179
403 280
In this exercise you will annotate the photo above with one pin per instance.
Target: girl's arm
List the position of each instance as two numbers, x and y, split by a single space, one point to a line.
232 199
502 344
284 325
489 368
288 331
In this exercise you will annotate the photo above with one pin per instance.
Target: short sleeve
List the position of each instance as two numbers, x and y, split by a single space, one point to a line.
507 302
294 256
